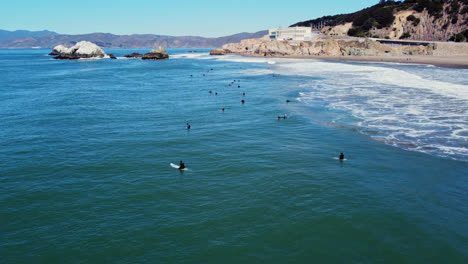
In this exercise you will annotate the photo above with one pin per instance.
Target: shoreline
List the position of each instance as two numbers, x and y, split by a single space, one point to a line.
460 62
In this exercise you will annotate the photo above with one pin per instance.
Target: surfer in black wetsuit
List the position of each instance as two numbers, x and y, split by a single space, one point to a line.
188 126
181 165
341 156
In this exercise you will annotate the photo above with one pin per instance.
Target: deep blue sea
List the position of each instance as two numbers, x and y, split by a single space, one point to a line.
85 148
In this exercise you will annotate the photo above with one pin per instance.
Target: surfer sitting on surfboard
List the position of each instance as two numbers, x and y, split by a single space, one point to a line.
181 165
341 156
188 126
283 117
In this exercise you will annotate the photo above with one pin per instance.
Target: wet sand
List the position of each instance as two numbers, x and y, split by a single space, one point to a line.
442 61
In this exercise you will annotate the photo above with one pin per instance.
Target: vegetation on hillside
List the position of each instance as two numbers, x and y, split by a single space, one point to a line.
460 37
381 15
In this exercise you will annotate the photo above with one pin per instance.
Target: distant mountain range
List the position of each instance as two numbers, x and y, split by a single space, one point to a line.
107 40
5 34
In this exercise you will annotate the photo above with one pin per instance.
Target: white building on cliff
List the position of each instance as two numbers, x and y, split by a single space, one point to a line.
293 33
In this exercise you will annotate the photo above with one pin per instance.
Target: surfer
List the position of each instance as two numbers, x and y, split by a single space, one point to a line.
216 93
341 156
223 108
243 94
243 101
287 101
188 126
210 92
181 165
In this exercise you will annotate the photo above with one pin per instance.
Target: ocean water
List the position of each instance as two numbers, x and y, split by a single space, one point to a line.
85 148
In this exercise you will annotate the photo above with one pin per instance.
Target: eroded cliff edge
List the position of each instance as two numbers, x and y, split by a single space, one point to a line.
341 47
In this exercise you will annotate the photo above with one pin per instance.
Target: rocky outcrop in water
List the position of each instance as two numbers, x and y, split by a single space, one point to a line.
81 50
220 52
134 55
60 49
159 54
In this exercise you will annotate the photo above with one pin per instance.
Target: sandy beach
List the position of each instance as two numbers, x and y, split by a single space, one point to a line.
442 61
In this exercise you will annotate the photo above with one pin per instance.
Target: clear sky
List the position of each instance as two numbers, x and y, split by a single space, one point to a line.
206 18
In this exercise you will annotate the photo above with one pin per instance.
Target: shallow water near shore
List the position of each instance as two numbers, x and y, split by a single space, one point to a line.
85 148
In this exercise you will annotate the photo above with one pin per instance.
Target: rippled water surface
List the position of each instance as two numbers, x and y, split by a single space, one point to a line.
85 148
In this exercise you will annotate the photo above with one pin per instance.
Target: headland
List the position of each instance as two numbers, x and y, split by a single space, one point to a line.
446 54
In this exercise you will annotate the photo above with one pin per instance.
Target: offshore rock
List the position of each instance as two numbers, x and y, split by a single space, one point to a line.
81 50
134 55
112 56
159 54
58 50
219 52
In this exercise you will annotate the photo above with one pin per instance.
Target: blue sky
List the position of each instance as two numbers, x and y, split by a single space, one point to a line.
206 18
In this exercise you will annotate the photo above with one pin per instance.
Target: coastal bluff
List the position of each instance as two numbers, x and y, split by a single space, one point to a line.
324 46
352 48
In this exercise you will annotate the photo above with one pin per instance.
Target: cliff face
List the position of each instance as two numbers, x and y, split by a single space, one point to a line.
435 20
325 46
422 26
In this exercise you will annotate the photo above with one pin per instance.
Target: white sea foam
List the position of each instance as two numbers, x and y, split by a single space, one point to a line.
395 106
191 56
256 72
382 75
234 58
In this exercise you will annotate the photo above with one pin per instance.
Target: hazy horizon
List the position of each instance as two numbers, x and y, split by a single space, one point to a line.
40 30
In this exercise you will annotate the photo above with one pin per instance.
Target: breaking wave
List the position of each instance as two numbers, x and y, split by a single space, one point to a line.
394 106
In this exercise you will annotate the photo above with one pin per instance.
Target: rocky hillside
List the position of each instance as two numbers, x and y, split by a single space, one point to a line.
430 20
106 40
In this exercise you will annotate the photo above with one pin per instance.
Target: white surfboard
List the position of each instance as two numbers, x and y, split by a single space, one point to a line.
177 166
339 159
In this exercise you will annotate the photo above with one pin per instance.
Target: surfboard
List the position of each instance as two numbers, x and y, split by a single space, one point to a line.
177 166
339 159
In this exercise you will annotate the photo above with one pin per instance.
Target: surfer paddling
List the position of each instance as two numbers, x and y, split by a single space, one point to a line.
283 117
